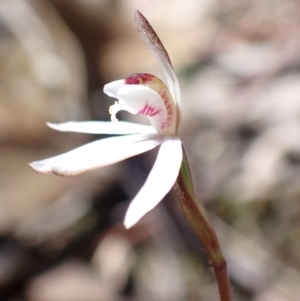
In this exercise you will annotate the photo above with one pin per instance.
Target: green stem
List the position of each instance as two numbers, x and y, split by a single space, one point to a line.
200 222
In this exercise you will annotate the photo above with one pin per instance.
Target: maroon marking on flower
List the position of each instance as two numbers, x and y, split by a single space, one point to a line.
138 78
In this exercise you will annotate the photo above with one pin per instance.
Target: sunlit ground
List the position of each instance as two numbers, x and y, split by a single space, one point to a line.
238 63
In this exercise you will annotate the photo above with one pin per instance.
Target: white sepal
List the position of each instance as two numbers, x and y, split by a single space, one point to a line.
159 182
97 154
102 127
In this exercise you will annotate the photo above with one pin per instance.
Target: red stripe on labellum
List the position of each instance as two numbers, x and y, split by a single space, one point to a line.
149 111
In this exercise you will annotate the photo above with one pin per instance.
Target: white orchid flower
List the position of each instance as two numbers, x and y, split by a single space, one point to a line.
138 94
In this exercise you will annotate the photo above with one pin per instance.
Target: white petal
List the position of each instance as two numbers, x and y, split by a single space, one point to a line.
112 88
159 182
97 154
154 44
102 127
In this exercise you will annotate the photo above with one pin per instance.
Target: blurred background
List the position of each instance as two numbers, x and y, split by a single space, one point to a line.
238 62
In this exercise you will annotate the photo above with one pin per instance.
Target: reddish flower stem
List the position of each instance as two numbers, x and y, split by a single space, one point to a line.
200 222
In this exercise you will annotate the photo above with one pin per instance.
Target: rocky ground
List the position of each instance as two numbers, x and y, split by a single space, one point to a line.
238 63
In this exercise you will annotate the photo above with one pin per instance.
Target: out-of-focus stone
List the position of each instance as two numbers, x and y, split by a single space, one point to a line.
114 258
53 226
72 281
